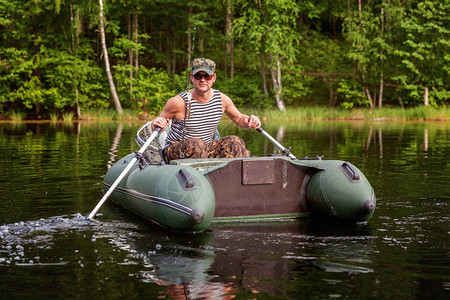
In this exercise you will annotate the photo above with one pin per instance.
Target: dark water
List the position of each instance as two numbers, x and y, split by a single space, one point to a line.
51 177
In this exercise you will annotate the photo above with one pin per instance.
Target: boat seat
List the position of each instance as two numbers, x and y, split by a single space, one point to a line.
200 163
206 165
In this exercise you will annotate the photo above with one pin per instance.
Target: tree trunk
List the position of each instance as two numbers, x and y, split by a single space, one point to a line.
425 96
112 87
380 97
277 86
174 61
136 50
331 99
229 47
72 27
189 40
263 74
77 102
367 92
130 56
136 40
231 59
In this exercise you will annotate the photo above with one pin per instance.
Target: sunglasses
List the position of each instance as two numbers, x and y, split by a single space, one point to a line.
200 76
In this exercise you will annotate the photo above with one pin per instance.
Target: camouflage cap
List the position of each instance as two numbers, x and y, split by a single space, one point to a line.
203 64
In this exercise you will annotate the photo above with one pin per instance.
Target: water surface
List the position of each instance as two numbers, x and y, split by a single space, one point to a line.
51 178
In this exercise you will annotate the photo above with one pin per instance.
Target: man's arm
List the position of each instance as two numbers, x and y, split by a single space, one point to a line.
236 116
173 109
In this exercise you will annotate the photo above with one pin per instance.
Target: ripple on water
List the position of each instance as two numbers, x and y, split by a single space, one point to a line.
22 243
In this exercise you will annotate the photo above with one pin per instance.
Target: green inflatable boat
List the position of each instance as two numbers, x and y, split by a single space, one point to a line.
189 194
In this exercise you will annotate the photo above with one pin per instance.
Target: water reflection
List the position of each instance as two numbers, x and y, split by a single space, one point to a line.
114 146
280 137
250 257
222 261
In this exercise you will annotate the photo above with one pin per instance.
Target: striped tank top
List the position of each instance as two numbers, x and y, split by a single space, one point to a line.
202 122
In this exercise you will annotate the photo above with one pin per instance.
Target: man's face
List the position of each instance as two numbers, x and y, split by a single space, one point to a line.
202 81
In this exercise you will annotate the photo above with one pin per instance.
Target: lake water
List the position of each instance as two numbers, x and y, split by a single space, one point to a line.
51 179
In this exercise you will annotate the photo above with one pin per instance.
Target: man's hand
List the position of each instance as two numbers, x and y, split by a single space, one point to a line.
253 122
160 122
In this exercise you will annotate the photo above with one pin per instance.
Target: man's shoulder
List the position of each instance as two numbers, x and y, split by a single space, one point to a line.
224 97
176 101
178 97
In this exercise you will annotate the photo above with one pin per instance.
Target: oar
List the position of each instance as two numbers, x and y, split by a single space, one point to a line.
276 143
124 172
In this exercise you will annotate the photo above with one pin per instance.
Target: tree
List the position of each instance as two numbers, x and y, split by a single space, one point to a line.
347 52
425 51
116 100
228 34
269 28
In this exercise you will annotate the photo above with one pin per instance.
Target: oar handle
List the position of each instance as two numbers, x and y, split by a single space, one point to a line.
276 143
124 172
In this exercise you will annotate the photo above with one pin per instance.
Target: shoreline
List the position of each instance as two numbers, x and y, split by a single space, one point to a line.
415 114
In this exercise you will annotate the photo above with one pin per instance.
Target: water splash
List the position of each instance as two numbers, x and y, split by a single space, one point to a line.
19 240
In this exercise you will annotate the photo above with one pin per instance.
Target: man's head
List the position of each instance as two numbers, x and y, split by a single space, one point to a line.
203 64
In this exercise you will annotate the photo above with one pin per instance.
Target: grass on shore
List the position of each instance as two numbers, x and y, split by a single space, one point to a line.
15 115
291 114
305 114
383 114
108 115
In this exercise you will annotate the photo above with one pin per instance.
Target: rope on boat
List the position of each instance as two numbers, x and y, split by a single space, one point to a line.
141 159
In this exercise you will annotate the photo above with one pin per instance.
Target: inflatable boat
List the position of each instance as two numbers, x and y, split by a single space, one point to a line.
189 194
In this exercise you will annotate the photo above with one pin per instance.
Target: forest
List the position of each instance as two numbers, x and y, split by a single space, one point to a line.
78 56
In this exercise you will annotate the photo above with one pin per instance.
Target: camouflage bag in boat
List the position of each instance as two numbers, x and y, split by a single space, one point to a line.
153 154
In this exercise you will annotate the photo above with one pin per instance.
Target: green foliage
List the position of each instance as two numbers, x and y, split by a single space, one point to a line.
156 87
424 55
352 93
439 97
153 87
244 91
51 60
296 86
32 93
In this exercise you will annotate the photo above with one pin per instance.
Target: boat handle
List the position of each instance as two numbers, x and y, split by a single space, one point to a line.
185 179
350 172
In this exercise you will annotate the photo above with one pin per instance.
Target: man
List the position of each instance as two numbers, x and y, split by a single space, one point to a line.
195 115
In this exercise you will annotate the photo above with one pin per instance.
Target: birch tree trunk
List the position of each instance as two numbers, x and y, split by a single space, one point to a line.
380 96
112 87
366 90
277 86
